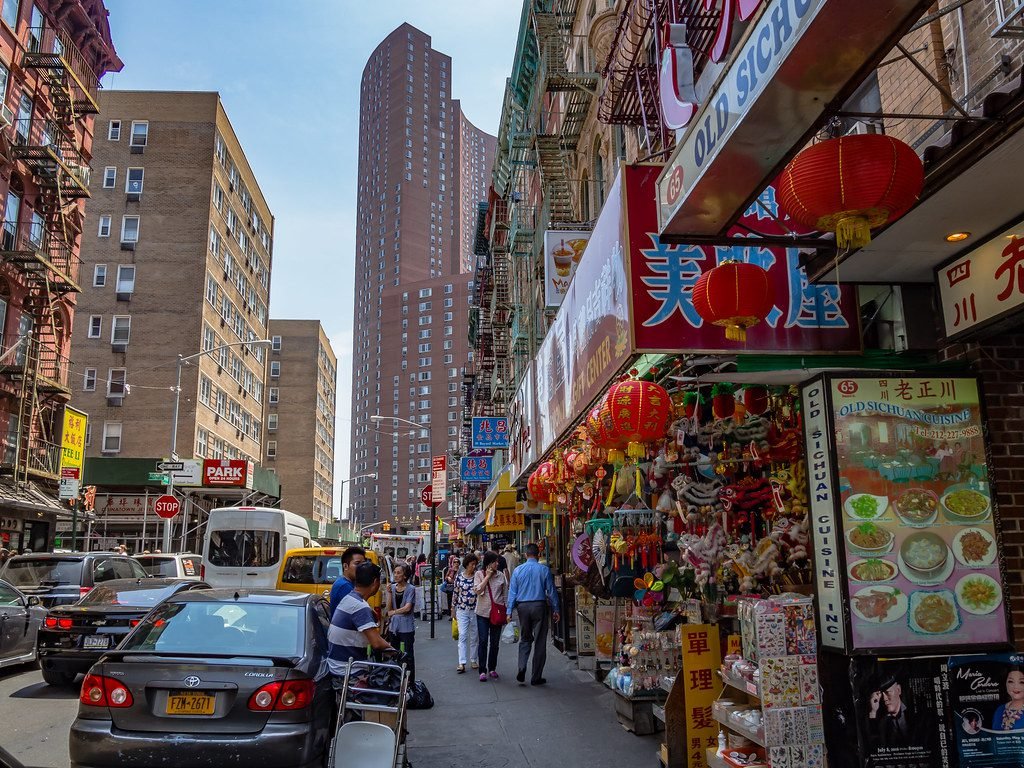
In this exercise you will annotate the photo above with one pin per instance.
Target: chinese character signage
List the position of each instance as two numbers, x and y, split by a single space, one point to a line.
73 440
806 317
126 507
562 252
702 656
987 695
913 515
490 432
505 518
982 286
476 469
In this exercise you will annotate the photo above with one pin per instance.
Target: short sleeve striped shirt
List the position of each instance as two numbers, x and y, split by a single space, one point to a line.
346 638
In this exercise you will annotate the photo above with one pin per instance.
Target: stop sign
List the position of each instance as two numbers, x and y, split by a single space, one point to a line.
427 495
167 507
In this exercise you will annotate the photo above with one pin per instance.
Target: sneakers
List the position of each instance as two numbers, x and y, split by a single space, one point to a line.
474 665
483 677
494 675
521 677
461 668
540 681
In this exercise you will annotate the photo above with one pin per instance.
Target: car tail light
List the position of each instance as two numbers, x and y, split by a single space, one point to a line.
282 696
99 691
50 622
64 623
134 622
83 591
202 571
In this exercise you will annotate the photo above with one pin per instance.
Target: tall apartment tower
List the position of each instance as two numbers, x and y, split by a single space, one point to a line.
301 390
419 160
176 261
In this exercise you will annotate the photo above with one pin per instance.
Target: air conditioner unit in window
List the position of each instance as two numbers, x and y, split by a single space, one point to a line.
138 149
863 127
119 346
115 401
128 245
123 296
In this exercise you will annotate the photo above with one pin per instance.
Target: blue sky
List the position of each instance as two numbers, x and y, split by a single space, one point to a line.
288 73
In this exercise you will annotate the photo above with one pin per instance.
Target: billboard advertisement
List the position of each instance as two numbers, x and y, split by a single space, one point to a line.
563 250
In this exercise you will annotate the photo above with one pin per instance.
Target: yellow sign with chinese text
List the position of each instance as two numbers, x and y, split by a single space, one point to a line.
503 517
702 657
72 443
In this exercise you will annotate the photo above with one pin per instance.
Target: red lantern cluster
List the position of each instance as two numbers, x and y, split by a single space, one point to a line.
541 484
633 413
735 295
850 185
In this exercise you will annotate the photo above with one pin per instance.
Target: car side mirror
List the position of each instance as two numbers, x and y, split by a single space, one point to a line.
32 601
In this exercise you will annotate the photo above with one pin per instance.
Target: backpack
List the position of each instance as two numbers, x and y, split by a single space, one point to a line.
419 697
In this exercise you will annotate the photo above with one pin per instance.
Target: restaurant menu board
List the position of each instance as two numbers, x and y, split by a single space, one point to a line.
987 701
922 567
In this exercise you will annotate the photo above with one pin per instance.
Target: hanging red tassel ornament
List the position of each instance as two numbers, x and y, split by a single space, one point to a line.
851 185
734 295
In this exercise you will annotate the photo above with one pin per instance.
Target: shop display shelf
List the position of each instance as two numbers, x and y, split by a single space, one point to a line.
714 761
659 712
755 735
740 684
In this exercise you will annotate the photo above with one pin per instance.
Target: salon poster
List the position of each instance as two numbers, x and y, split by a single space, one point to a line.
921 556
899 710
987 699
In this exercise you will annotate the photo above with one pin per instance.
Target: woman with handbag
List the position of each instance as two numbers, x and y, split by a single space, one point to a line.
491 587
464 602
401 624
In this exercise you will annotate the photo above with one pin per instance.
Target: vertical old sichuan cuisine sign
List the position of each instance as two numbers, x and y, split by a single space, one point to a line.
920 561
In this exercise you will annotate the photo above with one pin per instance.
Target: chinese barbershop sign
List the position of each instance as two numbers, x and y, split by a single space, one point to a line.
702 656
984 285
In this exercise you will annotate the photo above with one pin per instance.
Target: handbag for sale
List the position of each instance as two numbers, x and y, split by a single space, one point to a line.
499 611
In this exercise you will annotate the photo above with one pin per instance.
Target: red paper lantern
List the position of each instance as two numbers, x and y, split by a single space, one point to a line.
633 413
850 185
735 295
541 484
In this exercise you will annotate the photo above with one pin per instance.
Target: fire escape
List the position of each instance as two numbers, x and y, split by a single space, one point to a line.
42 249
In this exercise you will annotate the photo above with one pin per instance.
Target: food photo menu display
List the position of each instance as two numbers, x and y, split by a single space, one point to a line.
917 519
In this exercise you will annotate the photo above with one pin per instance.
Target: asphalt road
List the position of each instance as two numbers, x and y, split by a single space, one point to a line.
35 717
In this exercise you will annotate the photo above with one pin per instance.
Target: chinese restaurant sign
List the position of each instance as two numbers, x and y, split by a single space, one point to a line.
702 658
490 432
983 285
476 469
806 317
73 440
920 565
562 252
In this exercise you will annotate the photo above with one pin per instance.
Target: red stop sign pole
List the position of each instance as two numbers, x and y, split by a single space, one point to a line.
167 507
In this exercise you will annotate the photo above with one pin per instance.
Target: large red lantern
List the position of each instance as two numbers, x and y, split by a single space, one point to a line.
541 484
735 295
633 413
850 185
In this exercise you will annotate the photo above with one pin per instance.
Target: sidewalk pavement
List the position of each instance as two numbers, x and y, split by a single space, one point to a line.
568 723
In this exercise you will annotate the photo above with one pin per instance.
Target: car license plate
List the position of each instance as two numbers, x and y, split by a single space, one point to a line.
96 641
183 703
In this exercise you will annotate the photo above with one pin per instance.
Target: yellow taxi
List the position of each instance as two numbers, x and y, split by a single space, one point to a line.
315 569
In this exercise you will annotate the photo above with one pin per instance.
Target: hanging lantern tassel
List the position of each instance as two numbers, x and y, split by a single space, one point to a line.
734 295
636 451
616 458
853 232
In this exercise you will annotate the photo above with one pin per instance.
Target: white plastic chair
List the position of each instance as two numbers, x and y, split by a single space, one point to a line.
366 745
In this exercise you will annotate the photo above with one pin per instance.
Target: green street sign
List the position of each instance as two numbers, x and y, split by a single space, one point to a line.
158 477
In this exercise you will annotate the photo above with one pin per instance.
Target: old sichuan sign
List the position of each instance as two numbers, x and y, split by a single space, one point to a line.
806 317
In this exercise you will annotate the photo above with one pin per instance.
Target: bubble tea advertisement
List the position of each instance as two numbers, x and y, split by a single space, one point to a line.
921 565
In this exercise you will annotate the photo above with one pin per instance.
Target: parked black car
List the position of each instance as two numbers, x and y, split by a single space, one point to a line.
62 579
212 677
73 637
20 617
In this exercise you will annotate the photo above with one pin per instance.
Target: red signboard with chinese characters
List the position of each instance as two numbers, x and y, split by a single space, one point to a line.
236 473
984 285
805 318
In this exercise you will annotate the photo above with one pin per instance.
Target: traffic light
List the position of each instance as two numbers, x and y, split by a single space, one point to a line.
424 526
386 527
90 498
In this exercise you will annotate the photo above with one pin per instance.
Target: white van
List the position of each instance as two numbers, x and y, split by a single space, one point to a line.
243 546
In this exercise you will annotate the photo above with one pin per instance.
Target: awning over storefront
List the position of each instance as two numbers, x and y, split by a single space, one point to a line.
30 497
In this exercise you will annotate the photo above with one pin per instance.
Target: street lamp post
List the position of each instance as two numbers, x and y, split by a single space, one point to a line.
349 480
433 525
174 422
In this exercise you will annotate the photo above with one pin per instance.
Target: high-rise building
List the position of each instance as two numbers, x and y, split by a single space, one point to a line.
176 261
301 390
419 160
52 55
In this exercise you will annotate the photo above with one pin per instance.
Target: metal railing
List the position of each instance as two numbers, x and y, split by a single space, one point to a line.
24 354
42 142
49 48
21 238
43 457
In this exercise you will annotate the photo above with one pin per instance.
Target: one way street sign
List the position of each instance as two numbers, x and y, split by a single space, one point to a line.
170 466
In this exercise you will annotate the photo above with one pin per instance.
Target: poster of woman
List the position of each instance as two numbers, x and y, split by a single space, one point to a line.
987 698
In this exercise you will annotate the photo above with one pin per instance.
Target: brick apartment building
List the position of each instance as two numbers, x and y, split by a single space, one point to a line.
52 55
300 420
420 161
176 261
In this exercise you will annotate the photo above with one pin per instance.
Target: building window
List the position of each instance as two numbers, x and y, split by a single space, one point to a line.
116 378
273 395
120 329
218 196
271 449
134 180
104 230
129 229
95 326
140 133
271 422
109 177
275 368
89 382
111 436
126 278
99 275
275 343
114 130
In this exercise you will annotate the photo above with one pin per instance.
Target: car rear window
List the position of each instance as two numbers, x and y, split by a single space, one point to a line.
244 549
104 594
43 572
158 566
248 629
